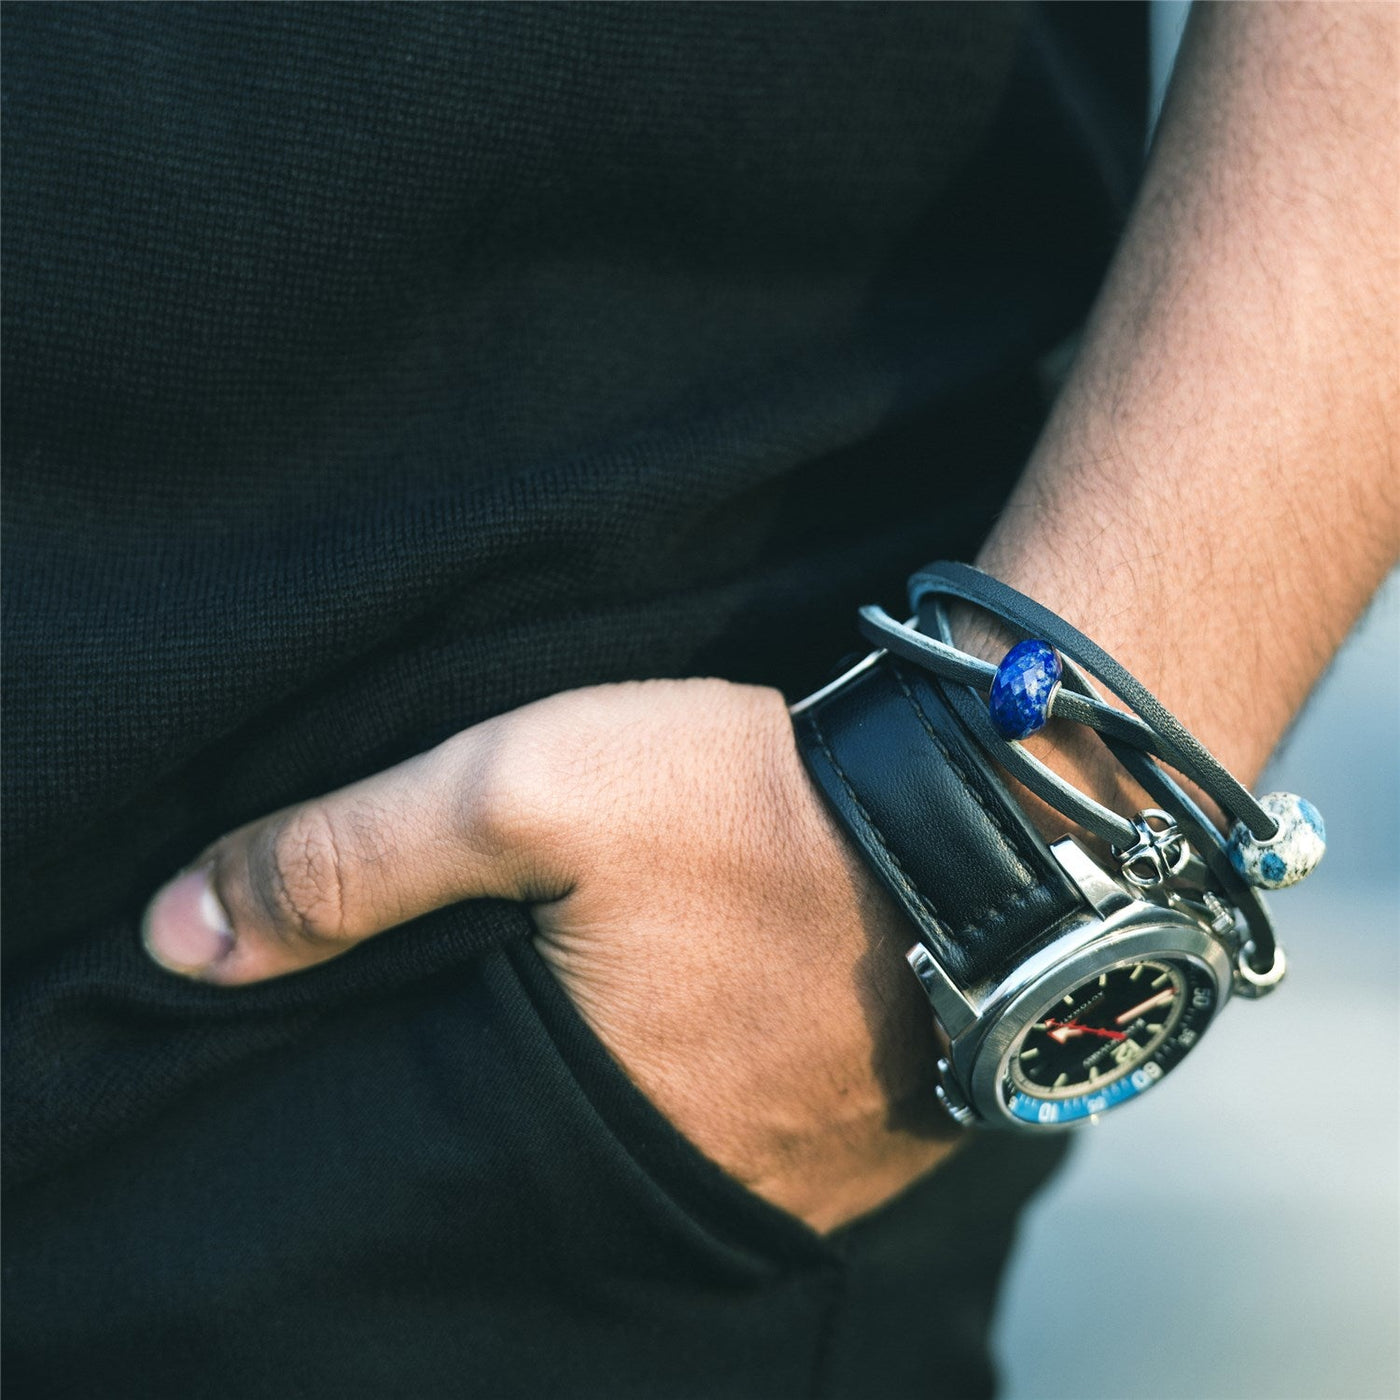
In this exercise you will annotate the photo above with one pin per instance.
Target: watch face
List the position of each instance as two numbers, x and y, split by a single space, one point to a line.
1108 1039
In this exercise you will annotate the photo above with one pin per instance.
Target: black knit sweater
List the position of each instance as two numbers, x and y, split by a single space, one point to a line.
371 370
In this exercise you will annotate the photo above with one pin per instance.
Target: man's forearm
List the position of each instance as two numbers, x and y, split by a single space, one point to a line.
1216 496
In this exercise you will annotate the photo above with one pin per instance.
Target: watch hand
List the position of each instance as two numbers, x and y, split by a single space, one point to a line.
1133 1013
1062 1030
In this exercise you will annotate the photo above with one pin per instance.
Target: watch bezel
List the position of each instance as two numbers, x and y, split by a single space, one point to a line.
1140 931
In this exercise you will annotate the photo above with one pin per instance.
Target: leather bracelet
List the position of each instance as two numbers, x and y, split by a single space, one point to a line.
1136 740
1117 831
1183 750
1276 840
1198 829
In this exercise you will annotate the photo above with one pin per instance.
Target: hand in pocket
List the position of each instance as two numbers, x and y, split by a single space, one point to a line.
690 891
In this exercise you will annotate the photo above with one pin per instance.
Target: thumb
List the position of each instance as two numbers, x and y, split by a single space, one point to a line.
311 881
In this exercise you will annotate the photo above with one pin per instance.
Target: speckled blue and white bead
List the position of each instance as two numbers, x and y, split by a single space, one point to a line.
1293 852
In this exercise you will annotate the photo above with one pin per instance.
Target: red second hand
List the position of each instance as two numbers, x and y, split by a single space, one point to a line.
1088 1030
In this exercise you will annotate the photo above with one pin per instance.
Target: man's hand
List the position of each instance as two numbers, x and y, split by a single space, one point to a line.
690 891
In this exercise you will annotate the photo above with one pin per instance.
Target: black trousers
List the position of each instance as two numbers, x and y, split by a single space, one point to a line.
460 1193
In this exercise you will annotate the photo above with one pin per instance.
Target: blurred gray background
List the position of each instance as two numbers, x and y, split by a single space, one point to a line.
1238 1233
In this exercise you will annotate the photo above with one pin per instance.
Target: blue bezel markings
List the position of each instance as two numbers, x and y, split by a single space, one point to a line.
1052 1111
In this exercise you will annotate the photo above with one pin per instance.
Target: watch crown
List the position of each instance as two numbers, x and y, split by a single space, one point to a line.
950 1096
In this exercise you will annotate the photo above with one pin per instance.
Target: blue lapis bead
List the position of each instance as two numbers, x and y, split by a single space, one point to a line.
1025 683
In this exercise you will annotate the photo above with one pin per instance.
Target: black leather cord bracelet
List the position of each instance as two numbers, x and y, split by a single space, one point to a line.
1117 831
1275 841
1175 744
1195 826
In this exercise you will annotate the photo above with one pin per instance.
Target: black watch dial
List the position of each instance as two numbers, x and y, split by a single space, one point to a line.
1108 1039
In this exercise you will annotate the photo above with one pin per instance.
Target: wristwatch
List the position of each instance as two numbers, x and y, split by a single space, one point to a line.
1065 983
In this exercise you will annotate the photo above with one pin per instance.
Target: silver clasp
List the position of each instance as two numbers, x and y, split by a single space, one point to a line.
1159 854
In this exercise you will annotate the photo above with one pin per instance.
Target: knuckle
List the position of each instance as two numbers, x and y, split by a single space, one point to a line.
513 802
300 875
527 787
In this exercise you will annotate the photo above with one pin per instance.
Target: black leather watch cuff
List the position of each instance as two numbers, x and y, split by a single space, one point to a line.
933 820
